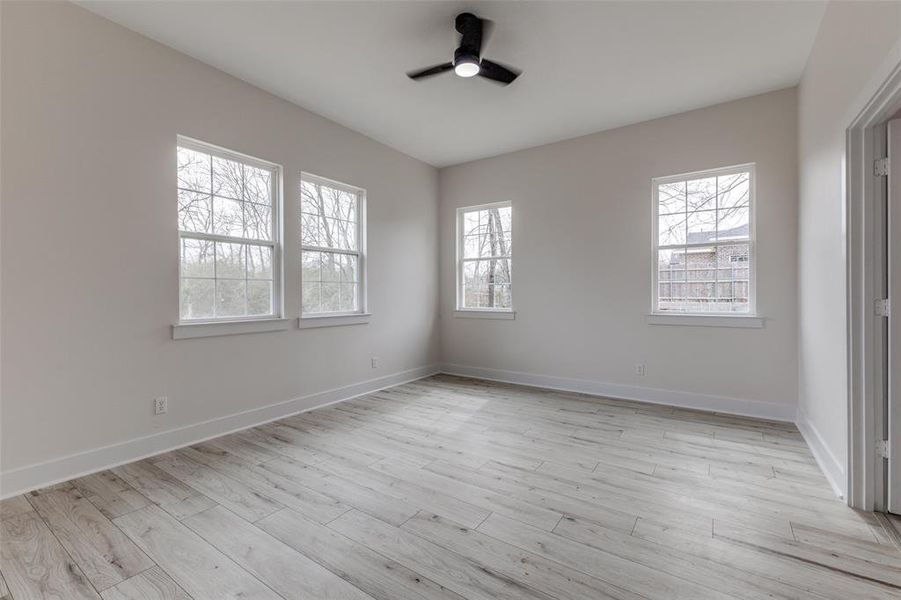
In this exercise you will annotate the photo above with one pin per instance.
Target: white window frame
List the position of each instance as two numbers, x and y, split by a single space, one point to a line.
744 319
480 312
361 315
187 328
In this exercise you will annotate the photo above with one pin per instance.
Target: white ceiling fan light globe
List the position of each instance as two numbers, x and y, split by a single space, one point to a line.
467 68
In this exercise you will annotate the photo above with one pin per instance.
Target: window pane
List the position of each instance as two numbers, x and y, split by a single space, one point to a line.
734 277
343 205
311 302
330 266
338 234
195 212
228 217
670 279
734 190
228 178
259 262
197 298
197 258
310 268
700 277
309 231
494 220
230 261
193 170
230 296
701 227
475 246
479 281
348 297
671 229
475 283
671 198
471 223
499 271
259 298
330 294
734 223
258 185
348 264
310 198
502 296
257 221
506 218
701 194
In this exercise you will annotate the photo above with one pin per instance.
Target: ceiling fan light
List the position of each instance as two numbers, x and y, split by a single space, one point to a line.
467 68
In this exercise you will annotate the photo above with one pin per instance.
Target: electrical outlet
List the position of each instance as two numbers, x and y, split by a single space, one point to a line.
640 369
374 362
160 405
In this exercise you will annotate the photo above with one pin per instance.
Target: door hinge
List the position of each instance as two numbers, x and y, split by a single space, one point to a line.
883 307
882 448
880 167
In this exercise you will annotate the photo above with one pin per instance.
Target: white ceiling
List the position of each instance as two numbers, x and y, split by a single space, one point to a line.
587 66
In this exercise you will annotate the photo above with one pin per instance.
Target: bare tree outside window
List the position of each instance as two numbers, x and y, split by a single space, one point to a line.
331 247
485 251
704 242
227 235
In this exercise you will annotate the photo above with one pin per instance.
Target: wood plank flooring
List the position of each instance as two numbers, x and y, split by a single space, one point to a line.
450 489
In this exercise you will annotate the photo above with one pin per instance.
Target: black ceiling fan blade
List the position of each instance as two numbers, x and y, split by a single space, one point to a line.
428 72
495 72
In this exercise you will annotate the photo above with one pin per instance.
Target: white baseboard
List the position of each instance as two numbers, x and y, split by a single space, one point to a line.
722 404
829 465
30 477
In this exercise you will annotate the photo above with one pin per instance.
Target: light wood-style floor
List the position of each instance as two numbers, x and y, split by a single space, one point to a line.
451 488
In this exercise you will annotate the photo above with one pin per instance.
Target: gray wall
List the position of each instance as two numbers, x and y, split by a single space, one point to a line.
853 41
582 253
90 114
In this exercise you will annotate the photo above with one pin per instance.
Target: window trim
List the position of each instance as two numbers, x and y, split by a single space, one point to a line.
277 243
361 315
655 312
463 311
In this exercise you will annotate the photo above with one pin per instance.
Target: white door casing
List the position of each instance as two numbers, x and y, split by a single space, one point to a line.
893 363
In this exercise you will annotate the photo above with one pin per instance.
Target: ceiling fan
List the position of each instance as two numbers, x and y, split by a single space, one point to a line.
467 61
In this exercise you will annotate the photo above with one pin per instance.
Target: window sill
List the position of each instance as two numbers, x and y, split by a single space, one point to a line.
312 322
184 331
485 314
687 320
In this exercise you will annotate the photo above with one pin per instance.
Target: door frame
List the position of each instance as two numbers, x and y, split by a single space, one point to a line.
864 194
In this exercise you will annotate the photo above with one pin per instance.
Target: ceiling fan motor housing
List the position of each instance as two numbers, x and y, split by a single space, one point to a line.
463 55
470 28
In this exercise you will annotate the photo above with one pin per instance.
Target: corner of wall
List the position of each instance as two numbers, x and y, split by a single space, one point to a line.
831 467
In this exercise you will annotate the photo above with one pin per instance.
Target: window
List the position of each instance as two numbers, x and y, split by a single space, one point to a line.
484 251
228 232
333 247
704 242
